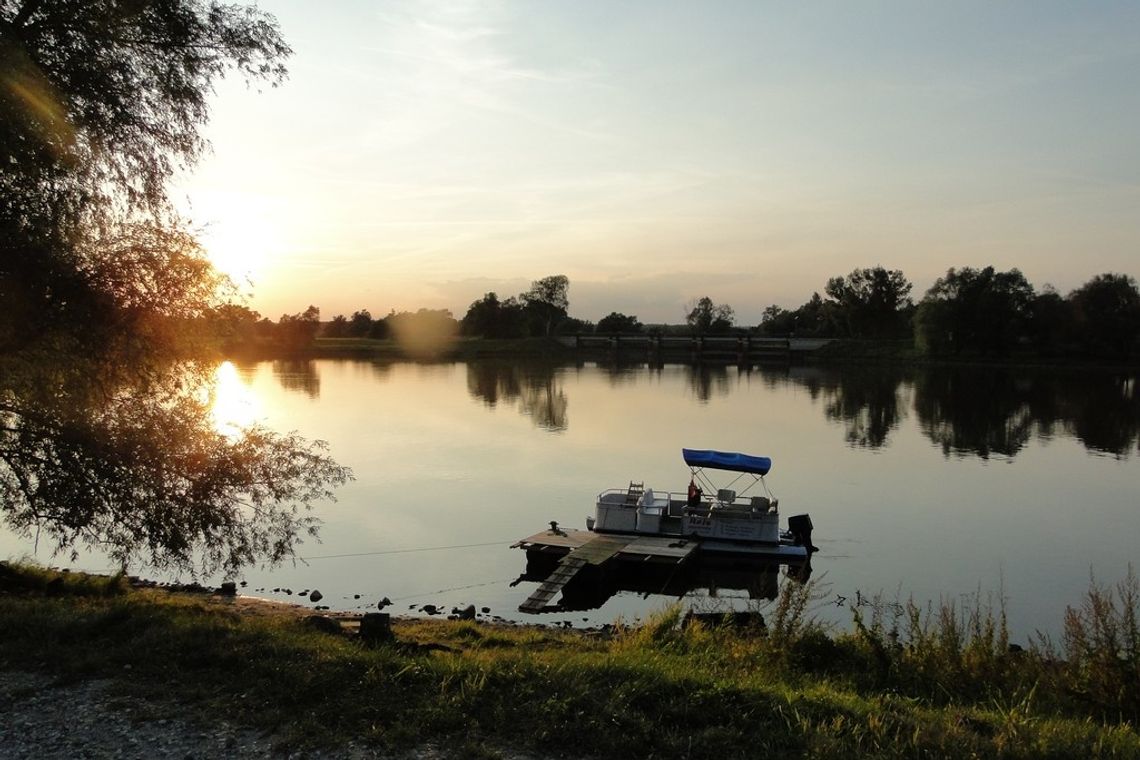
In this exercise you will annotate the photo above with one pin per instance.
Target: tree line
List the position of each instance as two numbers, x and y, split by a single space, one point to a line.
972 311
967 311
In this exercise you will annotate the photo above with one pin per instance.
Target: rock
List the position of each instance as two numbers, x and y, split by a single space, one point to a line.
316 596
228 588
467 613
430 609
485 610
385 602
356 596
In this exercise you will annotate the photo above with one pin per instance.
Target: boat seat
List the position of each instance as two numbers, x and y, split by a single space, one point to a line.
726 496
761 504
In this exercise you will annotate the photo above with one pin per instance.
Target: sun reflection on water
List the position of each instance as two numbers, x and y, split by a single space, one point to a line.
234 406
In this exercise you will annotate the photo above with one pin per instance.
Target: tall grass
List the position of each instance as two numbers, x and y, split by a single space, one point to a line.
937 680
1101 649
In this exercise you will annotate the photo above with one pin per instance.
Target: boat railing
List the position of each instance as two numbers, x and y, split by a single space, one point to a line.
668 502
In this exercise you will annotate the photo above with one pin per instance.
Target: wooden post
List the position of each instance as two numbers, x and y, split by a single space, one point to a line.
376 627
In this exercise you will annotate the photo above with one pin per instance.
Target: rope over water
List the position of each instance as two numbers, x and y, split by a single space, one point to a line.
405 551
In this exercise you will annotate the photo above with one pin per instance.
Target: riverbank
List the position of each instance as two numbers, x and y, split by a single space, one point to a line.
659 690
839 351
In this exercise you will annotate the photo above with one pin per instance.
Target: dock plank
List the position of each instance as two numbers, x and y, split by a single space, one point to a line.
660 548
600 548
561 539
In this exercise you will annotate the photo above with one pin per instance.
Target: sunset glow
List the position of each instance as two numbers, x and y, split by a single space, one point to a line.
422 154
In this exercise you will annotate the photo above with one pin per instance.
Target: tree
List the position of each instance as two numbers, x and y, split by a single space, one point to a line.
296 331
491 318
704 316
871 302
615 322
338 327
974 309
1106 312
1050 321
106 437
360 325
775 320
547 301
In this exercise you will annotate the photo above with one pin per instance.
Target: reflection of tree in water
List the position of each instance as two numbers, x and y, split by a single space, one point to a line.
867 402
708 380
537 389
130 462
982 412
624 371
298 375
491 381
545 403
1103 411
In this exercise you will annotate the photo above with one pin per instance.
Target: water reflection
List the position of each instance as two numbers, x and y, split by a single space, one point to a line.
1103 412
233 405
869 403
298 375
594 585
982 412
537 389
708 380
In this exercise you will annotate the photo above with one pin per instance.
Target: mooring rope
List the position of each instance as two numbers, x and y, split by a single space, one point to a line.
405 551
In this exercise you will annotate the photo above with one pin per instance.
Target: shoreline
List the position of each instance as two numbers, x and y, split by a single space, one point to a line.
837 353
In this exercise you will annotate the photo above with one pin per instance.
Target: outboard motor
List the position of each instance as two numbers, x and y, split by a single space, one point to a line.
801 527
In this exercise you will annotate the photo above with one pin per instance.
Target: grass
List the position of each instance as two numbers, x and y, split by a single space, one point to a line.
906 681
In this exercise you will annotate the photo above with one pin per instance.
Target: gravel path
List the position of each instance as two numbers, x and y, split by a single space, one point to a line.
40 717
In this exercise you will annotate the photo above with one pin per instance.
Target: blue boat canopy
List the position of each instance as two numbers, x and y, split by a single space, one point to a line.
727 460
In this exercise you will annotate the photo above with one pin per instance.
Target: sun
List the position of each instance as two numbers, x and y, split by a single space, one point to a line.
239 247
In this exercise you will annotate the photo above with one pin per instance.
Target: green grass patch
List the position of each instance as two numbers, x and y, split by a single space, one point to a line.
938 682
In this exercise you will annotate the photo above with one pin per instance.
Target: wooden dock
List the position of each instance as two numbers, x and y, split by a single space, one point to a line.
580 548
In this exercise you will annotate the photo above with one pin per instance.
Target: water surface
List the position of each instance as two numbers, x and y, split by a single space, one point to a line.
932 483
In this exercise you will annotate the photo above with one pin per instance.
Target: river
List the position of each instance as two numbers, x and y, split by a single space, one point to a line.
928 483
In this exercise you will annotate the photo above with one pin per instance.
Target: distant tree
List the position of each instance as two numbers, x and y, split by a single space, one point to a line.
1106 312
233 324
491 318
381 329
360 324
337 328
1050 322
706 317
871 302
974 309
547 302
616 322
295 331
777 321
573 326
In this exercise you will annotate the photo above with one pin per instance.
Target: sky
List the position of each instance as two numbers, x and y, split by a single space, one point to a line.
422 154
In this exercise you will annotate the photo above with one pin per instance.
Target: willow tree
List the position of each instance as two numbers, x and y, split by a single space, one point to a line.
106 438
